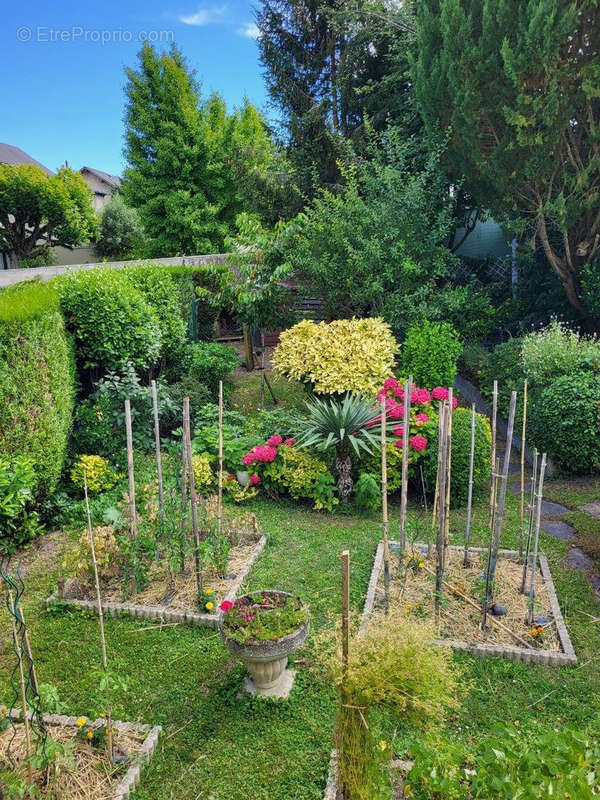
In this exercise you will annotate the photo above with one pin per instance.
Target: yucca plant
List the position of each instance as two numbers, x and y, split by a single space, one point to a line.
350 426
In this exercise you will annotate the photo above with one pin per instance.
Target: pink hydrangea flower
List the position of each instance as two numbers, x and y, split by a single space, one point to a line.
421 419
398 430
454 402
418 442
399 392
290 442
373 422
381 394
420 397
265 453
440 393
254 479
275 441
396 413
390 383
248 459
397 443
390 402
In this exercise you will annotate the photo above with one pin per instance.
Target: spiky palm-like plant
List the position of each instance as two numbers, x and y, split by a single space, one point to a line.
349 426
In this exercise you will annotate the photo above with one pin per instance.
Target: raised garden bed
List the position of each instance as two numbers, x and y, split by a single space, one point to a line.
156 602
91 775
460 622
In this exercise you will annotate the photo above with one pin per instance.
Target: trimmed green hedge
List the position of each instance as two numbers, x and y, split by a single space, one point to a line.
37 381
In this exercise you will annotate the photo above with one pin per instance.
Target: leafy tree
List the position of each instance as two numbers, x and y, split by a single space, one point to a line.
516 84
38 211
121 232
190 162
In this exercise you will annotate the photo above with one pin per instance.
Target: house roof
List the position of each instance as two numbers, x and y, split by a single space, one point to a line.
112 180
9 154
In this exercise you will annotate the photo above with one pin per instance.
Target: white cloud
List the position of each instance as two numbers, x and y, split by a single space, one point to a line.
250 30
205 16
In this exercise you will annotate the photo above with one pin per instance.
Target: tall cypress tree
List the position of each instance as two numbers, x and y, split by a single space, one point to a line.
517 85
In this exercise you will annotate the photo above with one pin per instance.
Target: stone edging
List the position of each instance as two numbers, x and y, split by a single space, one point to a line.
163 613
132 777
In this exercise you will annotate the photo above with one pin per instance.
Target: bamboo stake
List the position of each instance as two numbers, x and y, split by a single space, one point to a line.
448 468
384 505
538 514
130 472
494 426
470 495
404 488
495 478
220 489
345 611
159 473
436 496
502 495
100 616
193 499
22 684
441 528
530 523
523 448
184 499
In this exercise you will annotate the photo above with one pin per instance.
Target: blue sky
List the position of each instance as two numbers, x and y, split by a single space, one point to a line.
62 88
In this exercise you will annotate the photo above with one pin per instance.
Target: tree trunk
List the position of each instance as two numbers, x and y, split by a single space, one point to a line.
564 271
248 348
343 465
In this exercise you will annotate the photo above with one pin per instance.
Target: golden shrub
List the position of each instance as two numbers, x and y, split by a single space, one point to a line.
346 355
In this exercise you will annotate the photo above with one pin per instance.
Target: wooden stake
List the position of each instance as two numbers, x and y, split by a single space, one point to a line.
22 685
404 489
494 425
538 514
384 505
100 615
530 523
345 611
523 448
448 467
130 473
470 495
441 528
193 499
184 498
502 495
436 497
161 497
220 489
495 478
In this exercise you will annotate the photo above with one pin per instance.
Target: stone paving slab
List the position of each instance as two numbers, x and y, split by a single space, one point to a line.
550 509
592 508
558 529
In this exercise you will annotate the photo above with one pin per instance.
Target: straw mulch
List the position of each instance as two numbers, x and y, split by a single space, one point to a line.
412 593
84 773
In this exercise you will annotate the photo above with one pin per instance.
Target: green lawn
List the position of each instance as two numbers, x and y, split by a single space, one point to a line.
219 744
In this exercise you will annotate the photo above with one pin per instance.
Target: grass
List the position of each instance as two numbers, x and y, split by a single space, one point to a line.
574 492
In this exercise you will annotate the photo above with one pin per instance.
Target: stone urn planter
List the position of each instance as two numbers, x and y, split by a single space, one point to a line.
243 477
266 661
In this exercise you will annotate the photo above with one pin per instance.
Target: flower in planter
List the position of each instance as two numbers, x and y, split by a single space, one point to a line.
226 605
418 442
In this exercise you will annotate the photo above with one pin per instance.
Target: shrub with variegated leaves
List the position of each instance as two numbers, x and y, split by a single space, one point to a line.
346 355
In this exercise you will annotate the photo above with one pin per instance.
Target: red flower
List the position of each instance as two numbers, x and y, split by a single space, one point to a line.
420 397
265 453
399 392
397 443
290 442
418 442
398 430
275 441
396 413
390 383
226 605
254 479
248 459
421 419
440 393
454 402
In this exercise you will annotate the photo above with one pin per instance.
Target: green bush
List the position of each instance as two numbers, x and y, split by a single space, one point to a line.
198 393
430 354
504 365
566 423
160 292
302 476
200 292
121 234
110 320
210 362
18 524
461 449
37 381
557 350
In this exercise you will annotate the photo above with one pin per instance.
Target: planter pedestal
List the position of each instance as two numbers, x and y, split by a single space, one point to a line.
281 689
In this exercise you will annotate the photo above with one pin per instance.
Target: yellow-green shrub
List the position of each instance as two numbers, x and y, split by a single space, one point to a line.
302 476
78 561
203 474
98 471
346 355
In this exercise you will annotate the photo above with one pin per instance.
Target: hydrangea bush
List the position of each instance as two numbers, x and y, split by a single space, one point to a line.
347 355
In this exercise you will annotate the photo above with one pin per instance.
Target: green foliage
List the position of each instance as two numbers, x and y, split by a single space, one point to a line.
461 449
38 210
198 394
121 233
347 426
210 362
263 617
510 764
506 144
367 492
110 319
503 365
566 424
557 350
236 443
94 471
430 354
18 524
190 164
302 476
36 381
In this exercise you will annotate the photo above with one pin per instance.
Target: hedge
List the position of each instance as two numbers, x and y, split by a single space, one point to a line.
37 381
